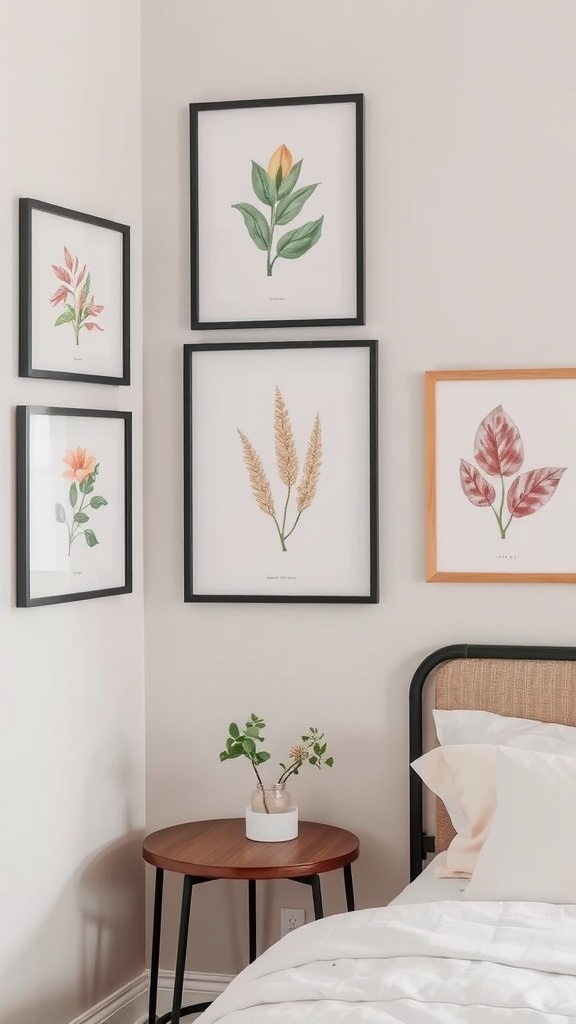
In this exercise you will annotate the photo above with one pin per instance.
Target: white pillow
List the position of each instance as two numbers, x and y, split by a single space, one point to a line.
502 730
529 852
464 777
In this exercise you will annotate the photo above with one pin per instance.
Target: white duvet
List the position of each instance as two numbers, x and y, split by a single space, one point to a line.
512 963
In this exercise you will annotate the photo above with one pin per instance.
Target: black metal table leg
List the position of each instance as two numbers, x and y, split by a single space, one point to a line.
182 944
314 882
317 897
155 957
251 919
348 886
174 1015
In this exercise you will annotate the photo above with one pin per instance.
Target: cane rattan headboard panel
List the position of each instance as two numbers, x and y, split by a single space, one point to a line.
526 682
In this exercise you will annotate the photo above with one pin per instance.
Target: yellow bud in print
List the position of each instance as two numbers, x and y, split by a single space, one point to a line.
280 164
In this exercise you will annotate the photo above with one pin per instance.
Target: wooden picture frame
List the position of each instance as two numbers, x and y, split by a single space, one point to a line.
281 472
74 295
500 476
74 504
277 212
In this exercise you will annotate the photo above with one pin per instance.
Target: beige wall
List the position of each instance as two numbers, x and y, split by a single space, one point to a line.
71 697
471 262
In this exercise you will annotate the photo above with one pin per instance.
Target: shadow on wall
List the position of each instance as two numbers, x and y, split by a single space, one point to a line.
90 944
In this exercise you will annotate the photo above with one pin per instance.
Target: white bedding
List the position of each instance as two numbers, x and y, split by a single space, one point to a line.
427 888
445 962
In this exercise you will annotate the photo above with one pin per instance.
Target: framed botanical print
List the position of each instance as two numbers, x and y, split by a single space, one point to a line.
281 472
74 504
74 295
277 212
501 476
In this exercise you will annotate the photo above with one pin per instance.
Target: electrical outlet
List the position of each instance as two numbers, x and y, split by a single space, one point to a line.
290 919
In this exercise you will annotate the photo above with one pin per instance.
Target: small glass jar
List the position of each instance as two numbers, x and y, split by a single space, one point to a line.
273 799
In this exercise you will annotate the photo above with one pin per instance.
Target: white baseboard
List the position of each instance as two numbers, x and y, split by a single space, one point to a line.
129 1004
125 1006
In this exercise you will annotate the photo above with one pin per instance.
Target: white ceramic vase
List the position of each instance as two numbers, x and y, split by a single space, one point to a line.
271 816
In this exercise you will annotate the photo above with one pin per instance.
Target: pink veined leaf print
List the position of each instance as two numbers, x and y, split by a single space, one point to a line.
530 491
59 295
498 447
62 274
499 451
477 489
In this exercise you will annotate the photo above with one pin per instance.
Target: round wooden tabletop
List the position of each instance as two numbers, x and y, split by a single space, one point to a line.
219 849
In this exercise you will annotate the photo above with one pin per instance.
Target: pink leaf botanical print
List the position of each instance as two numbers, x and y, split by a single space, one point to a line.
80 308
499 451
477 489
498 447
532 490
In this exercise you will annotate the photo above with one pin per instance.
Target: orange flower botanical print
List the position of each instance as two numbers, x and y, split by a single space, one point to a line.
274 187
82 471
80 464
74 294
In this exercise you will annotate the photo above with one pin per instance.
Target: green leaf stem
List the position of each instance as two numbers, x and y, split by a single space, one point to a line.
65 317
295 243
263 185
289 207
256 223
289 181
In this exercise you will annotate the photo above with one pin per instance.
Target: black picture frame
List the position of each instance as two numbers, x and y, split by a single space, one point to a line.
232 283
250 411
53 506
74 295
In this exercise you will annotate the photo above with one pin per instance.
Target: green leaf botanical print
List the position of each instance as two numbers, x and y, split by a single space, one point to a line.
83 470
274 187
305 482
80 309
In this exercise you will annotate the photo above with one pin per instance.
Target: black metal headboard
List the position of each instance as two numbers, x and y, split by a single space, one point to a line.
422 844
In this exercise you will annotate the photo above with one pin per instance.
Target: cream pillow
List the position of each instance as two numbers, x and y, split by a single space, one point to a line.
529 852
502 730
463 776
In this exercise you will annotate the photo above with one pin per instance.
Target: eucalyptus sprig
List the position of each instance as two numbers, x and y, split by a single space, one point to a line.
312 749
243 744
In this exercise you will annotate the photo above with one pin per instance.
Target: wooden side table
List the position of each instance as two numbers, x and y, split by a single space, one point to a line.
203 851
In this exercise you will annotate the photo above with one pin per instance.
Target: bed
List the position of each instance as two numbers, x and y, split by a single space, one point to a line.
486 929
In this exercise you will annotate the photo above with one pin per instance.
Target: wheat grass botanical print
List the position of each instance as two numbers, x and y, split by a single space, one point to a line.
499 452
82 470
274 187
300 489
80 309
